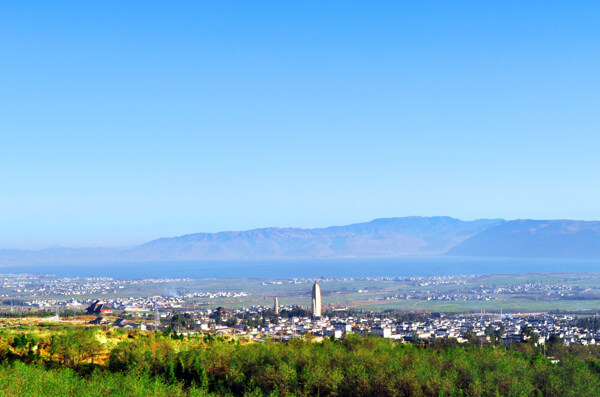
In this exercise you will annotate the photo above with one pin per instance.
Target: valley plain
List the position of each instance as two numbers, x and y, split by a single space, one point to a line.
450 293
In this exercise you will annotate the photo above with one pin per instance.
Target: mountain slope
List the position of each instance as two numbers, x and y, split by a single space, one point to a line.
535 238
379 238
387 237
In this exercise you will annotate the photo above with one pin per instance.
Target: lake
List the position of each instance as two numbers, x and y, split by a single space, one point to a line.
404 267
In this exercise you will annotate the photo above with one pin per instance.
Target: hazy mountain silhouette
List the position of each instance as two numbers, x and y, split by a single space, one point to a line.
379 238
388 237
535 238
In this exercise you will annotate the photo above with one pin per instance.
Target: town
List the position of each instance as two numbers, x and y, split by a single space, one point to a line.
175 305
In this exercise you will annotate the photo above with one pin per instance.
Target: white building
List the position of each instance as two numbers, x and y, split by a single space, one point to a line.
382 332
316 300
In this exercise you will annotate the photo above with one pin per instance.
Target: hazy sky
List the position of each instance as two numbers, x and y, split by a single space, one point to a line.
125 121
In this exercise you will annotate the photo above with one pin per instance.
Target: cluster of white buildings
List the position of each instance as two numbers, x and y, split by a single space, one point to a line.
505 329
43 285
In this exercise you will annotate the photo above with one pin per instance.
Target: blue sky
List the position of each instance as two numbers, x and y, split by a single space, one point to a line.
125 121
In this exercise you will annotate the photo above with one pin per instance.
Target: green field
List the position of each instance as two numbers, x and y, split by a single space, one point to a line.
526 292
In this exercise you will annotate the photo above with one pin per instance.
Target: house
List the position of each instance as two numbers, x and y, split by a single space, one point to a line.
99 307
98 321
382 332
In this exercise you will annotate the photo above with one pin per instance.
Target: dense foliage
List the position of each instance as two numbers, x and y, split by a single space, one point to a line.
78 361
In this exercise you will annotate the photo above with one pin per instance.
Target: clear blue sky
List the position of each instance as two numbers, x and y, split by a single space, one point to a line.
125 121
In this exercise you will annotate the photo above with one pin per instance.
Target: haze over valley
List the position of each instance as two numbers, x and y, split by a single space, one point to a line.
379 238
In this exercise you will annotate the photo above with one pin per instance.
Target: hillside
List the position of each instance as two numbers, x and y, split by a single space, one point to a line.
535 238
380 238
388 237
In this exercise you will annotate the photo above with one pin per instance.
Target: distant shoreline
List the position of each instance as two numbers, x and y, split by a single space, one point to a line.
404 267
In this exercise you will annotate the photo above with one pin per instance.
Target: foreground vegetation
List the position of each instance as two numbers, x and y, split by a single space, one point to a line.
67 360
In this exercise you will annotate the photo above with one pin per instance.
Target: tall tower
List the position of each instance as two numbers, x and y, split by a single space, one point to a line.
316 300
276 305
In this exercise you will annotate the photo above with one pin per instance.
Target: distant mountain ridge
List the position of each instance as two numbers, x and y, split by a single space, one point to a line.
535 238
379 238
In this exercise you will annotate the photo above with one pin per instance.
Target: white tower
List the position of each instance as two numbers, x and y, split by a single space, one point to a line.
316 300
276 305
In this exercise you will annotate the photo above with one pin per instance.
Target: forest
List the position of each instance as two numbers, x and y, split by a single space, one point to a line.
58 360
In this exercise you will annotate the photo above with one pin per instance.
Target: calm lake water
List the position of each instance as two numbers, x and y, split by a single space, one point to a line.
419 266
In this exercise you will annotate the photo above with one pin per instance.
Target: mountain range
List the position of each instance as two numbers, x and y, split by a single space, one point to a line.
379 238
